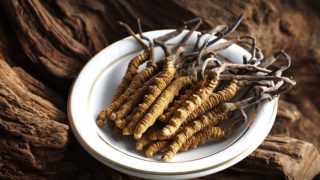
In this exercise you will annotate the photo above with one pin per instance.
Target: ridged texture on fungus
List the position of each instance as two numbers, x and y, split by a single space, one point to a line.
161 104
188 107
161 81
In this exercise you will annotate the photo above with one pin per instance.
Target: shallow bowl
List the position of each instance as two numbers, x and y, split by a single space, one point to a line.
94 88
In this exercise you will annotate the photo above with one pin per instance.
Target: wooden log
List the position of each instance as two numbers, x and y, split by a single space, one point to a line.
31 128
48 45
38 88
278 157
287 115
33 132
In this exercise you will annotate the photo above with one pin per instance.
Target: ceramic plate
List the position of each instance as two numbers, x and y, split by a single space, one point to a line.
93 90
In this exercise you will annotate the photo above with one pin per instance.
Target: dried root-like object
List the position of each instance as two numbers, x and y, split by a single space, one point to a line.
161 104
156 135
121 123
202 137
188 107
117 133
195 140
162 80
168 113
132 70
215 99
143 141
212 118
134 64
133 100
146 138
136 82
160 83
156 147
175 105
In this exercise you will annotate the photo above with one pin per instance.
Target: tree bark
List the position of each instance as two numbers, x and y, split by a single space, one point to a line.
281 156
33 132
44 45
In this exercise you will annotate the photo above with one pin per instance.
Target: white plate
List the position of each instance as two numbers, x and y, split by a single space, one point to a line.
93 89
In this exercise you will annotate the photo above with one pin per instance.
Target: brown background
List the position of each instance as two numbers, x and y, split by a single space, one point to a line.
44 44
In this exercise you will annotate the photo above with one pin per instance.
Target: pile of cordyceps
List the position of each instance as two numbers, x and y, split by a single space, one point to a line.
178 102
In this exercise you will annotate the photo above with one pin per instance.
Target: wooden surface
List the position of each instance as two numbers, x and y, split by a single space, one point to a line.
43 45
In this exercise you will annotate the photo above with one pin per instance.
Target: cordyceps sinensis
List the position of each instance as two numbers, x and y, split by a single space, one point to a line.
131 71
195 140
176 103
137 80
145 139
156 147
210 119
188 107
195 101
215 99
161 104
134 64
133 101
208 133
223 95
202 137
161 81
168 113
152 135
158 85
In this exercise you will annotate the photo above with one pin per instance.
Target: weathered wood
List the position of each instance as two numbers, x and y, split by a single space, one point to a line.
38 88
287 115
32 134
279 157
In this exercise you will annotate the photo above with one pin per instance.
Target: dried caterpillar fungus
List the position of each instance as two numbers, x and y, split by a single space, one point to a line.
132 70
136 82
168 108
188 107
215 99
202 137
210 119
131 102
156 147
160 104
160 83
177 103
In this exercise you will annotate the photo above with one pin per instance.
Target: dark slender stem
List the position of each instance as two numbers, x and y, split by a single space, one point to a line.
141 32
279 71
130 31
256 78
160 41
164 47
230 30
151 48
245 103
187 36
253 47
196 45
212 49
170 35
